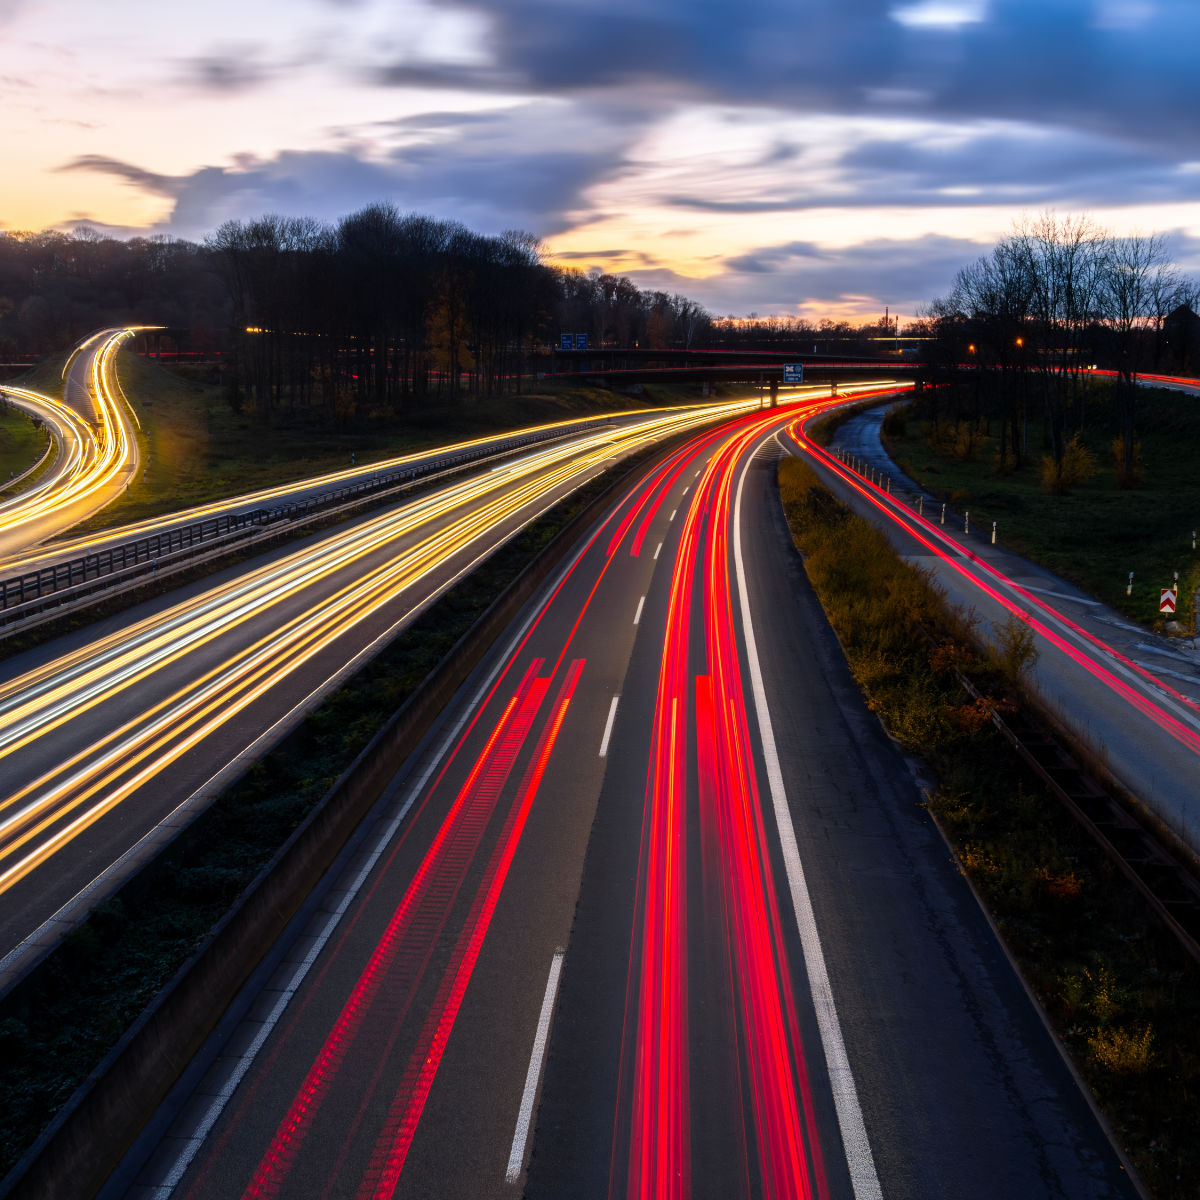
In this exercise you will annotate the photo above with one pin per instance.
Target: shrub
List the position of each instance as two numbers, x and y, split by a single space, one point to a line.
893 423
1123 1051
1135 475
1014 649
1078 464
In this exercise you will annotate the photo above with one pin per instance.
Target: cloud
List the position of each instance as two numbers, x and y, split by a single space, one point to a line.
528 168
232 69
1120 68
138 177
799 277
766 261
1023 166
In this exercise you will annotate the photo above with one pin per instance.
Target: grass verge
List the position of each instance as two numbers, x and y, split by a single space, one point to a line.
1101 527
21 444
195 449
58 1023
1119 990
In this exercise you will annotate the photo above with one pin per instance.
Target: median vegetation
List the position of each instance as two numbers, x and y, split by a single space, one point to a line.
1121 993
196 449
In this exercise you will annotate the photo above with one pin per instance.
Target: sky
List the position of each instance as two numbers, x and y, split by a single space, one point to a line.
807 157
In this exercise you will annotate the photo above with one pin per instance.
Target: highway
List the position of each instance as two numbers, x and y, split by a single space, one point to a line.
432 459
109 732
654 911
96 448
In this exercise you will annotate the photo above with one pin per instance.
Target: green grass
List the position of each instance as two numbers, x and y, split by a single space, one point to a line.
46 377
195 449
1121 993
58 1024
1097 532
21 445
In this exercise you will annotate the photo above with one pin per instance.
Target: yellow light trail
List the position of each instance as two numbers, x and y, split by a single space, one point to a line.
93 457
334 479
48 812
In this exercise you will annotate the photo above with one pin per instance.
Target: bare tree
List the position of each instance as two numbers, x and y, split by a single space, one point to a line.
1134 270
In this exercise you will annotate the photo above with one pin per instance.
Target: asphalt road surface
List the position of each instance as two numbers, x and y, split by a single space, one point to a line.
107 733
658 837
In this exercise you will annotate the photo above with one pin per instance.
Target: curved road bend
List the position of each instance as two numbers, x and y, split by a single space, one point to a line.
97 448
105 733
774 983
1132 697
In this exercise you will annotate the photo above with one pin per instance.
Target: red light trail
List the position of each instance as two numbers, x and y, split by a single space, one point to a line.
738 886
957 556
701 788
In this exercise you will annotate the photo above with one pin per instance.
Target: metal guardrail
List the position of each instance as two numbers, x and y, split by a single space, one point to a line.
23 595
36 585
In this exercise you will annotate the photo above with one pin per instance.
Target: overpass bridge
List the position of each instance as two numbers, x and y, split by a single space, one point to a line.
635 364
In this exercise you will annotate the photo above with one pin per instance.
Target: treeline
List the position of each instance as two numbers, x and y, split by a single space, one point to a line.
362 316
385 307
55 288
791 334
1055 298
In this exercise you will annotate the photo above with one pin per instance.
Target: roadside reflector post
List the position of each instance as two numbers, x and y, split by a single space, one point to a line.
920 506
966 522
993 533
889 485
1129 585
943 514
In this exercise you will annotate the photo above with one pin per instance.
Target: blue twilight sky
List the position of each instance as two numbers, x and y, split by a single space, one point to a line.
809 156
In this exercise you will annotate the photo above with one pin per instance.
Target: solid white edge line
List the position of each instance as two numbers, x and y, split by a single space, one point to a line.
637 616
612 712
863 1179
537 1058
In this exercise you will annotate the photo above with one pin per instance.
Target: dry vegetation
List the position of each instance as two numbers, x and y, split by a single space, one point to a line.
1121 993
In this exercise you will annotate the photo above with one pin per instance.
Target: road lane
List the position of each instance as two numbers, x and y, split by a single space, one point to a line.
530 921
400 1066
941 1039
102 742
1137 712
98 451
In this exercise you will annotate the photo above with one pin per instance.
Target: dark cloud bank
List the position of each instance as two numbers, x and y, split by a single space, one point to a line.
1075 104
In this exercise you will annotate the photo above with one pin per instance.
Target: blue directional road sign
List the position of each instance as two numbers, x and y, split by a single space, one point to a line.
581 341
793 372
565 341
